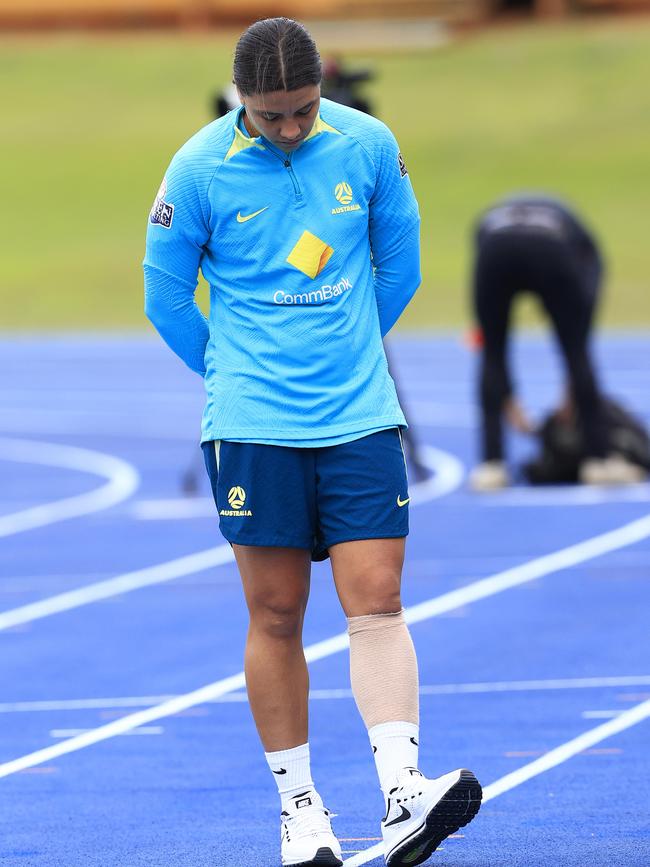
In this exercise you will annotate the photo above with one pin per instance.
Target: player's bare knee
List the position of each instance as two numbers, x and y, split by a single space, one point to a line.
376 595
278 619
382 603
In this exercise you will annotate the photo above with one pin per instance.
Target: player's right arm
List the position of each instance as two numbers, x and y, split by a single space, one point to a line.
176 235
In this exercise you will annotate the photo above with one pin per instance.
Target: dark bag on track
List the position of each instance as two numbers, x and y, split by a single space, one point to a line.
563 447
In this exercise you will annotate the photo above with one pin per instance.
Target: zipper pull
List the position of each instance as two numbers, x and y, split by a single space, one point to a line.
287 164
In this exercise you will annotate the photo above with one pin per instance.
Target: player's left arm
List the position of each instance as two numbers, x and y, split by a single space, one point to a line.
394 226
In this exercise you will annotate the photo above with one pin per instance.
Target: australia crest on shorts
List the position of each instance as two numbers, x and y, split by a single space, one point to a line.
162 212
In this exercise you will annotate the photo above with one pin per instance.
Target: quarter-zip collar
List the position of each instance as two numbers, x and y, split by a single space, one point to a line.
246 140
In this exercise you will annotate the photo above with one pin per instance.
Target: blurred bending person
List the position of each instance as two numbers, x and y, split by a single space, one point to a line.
301 215
536 244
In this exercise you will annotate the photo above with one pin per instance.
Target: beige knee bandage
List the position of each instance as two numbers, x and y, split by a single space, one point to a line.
383 669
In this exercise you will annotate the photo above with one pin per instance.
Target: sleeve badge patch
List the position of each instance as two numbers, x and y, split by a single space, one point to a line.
162 212
402 165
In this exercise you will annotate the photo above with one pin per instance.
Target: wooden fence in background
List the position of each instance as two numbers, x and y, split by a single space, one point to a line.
142 13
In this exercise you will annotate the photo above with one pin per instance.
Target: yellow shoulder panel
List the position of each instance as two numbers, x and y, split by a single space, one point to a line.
320 126
240 143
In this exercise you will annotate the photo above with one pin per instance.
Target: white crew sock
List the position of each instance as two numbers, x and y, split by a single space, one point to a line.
292 774
395 746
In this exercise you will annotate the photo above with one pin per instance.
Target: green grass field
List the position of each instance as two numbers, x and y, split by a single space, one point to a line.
89 124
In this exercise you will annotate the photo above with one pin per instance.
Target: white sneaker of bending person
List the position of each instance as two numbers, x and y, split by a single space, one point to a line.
306 834
612 470
422 812
489 476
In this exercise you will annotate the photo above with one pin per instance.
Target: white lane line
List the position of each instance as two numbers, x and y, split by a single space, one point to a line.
125 724
569 495
549 760
487 688
627 719
533 685
81 423
612 540
83 703
449 474
173 509
626 535
142 397
143 730
439 414
123 480
115 586
600 714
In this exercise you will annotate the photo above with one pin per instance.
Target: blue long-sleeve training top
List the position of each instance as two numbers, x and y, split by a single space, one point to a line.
311 257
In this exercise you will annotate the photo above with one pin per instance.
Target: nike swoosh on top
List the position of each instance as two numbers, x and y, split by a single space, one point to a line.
248 217
402 818
281 771
402 502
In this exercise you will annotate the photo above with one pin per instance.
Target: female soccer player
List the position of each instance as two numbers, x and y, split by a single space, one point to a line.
301 216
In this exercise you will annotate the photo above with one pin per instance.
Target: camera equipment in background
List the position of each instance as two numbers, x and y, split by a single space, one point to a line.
339 84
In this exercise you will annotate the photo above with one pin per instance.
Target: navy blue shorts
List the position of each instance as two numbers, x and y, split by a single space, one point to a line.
310 498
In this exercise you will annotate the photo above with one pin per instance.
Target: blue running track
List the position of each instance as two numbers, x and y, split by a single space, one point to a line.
125 736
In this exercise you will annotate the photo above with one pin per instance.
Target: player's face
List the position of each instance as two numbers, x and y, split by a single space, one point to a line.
284 117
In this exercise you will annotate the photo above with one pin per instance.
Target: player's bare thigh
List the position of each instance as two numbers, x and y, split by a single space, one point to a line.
368 575
276 585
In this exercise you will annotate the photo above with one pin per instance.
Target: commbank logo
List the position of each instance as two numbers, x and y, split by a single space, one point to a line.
310 254
315 296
